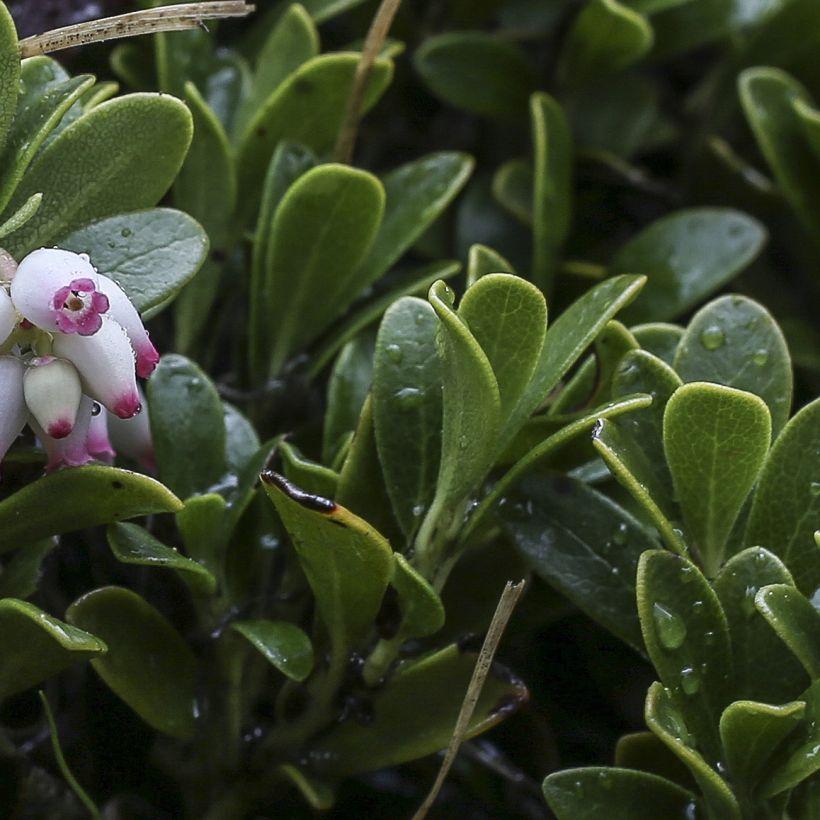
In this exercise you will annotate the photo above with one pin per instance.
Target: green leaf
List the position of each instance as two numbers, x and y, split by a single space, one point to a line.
471 408
187 426
659 338
9 71
786 505
150 254
736 342
314 478
765 670
46 94
292 42
148 664
750 733
415 715
605 37
648 753
666 721
340 208
716 439
508 318
415 196
566 340
202 524
600 791
769 97
686 256
121 156
483 260
79 498
21 573
512 187
347 563
552 191
477 72
407 408
422 612
281 643
347 390
132 544
20 217
687 638
34 646
591 559
307 108
795 620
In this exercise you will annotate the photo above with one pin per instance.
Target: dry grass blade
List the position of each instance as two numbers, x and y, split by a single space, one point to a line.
148 21
506 605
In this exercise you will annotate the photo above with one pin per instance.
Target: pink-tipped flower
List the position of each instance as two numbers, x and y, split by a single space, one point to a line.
71 451
59 291
132 437
13 410
52 390
8 316
99 444
105 362
121 309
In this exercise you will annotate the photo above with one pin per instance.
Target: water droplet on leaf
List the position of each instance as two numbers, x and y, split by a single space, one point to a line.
393 353
760 357
689 680
712 338
671 628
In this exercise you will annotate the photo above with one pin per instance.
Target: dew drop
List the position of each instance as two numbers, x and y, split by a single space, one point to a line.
85 257
408 397
620 534
605 780
418 509
393 353
814 488
712 338
125 232
748 603
689 681
462 442
760 357
671 629
815 599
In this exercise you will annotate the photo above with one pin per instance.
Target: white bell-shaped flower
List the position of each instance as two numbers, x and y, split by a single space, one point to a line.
8 316
13 410
52 390
71 451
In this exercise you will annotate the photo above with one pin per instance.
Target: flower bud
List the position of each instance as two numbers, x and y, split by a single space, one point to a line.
52 390
13 410
71 451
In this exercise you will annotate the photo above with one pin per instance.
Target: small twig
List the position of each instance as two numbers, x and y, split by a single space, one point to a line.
147 21
376 35
506 604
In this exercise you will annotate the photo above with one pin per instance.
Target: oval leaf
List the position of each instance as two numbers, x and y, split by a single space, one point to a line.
281 643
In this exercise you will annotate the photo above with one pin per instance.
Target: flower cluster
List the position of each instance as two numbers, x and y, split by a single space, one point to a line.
71 342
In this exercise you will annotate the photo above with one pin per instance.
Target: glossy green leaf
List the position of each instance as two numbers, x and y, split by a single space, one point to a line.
35 646
552 191
716 439
46 94
471 407
750 733
187 426
307 108
477 72
281 643
598 791
591 559
347 563
407 408
347 390
340 208
422 612
21 216
682 26
566 340
786 505
148 664
79 498
508 318
769 96
809 118
311 477
415 196
687 637
21 572
686 256
483 260
512 187
150 254
415 715
736 342
659 338
606 36
765 670
292 42
132 544
795 620
648 753
203 528
131 147
9 70
666 721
